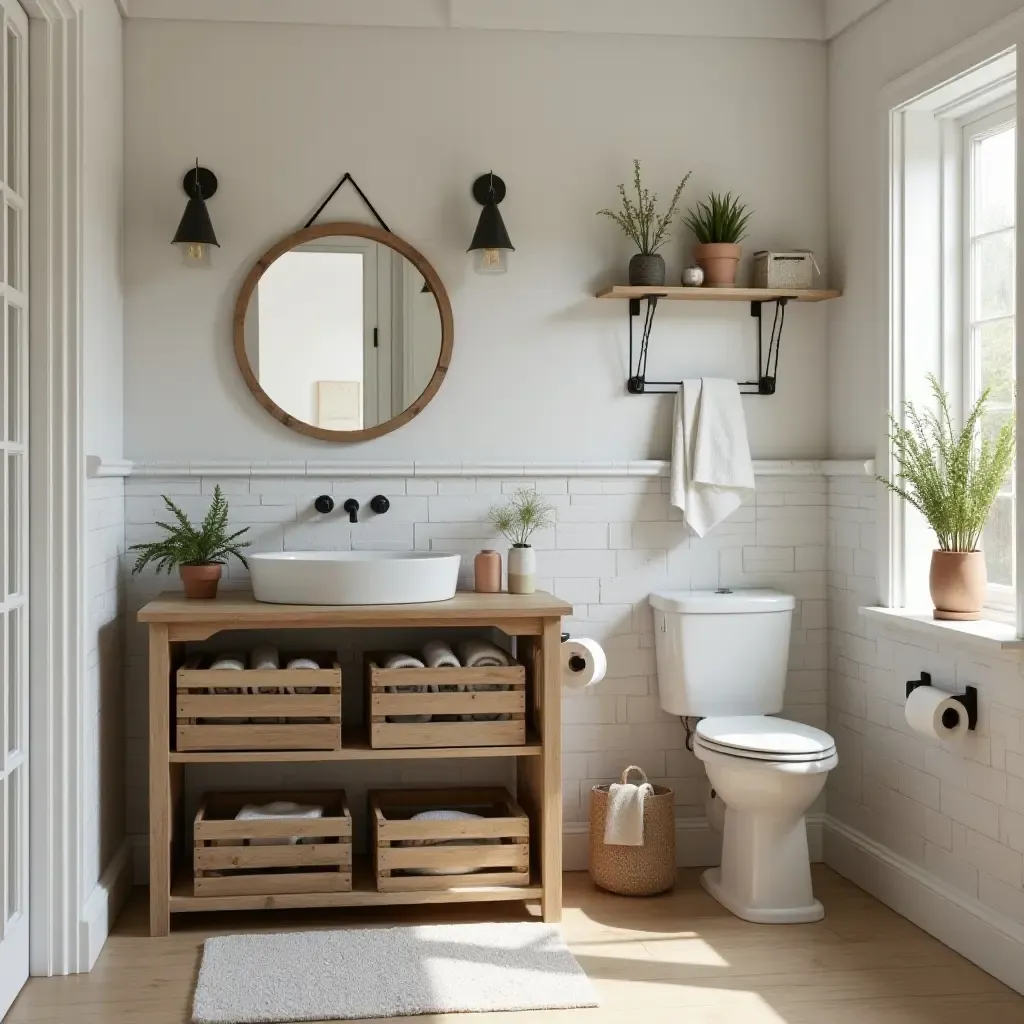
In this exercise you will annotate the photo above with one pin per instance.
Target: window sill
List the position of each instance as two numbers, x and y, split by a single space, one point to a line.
983 635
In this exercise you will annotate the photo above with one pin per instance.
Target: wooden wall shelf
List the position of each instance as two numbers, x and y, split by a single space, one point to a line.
680 294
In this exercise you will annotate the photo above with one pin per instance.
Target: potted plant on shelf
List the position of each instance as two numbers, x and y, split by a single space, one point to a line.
198 552
524 514
720 225
641 224
952 479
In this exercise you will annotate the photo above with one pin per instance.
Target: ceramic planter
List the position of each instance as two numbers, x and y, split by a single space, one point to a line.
958 583
647 270
487 572
200 580
719 261
522 569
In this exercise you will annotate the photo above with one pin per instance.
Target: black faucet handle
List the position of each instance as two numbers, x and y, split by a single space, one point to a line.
380 504
324 504
351 506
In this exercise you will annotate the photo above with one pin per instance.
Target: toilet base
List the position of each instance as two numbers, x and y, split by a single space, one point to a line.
711 880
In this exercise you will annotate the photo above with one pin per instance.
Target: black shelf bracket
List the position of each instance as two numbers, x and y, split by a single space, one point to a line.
767 362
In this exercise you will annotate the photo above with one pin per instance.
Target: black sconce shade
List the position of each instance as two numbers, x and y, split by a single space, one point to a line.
196 228
489 190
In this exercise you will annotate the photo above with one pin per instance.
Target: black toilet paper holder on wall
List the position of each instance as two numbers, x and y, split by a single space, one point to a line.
969 699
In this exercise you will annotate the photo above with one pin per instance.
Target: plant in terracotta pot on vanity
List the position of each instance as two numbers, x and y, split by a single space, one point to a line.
524 514
720 225
199 552
641 224
952 478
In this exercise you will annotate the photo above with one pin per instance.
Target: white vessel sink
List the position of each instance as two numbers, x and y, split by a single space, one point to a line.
353 577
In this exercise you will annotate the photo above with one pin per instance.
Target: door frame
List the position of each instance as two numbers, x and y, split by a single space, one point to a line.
56 487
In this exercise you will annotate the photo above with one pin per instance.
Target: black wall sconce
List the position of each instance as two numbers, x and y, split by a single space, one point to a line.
491 244
195 235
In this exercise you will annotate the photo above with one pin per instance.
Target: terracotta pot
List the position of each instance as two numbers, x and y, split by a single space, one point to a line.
958 583
719 261
487 572
647 269
200 580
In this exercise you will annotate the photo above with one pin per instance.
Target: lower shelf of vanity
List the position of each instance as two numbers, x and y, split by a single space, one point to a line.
363 894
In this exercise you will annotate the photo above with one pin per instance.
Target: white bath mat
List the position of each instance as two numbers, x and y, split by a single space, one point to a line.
387 972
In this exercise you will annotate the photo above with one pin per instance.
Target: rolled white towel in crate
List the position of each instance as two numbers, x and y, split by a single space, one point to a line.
479 653
446 815
438 654
275 811
400 660
265 659
302 665
229 663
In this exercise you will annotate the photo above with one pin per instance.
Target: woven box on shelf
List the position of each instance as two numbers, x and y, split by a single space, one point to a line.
635 870
784 270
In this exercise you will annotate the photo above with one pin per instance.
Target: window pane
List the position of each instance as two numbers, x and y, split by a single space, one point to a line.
14 485
12 112
14 668
13 247
14 395
13 838
994 164
997 542
993 276
994 345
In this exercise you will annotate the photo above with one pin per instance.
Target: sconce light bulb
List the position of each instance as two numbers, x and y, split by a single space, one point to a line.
491 261
195 255
195 251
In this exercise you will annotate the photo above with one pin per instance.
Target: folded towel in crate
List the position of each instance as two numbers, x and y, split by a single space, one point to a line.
305 665
438 654
479 653
445 815
400 660
274 811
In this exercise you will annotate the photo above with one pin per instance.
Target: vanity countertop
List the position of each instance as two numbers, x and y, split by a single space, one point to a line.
238 609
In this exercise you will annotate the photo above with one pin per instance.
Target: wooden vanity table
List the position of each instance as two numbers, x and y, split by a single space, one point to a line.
535 621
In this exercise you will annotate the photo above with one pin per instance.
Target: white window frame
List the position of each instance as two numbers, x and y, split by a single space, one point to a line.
971 128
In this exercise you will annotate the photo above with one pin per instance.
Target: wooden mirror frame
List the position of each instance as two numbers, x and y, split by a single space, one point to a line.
399 245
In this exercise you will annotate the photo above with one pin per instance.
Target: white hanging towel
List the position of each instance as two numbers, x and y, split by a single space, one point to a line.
624 817
711 467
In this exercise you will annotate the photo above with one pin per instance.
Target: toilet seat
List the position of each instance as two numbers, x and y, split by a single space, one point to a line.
764 738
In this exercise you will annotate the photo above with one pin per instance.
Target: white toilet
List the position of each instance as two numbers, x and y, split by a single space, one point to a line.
722 658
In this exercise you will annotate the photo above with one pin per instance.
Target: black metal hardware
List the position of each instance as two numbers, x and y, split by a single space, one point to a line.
379 504
950 718
376 338
489 191
362 195
767 367
576 663
195 227
324 504
351 506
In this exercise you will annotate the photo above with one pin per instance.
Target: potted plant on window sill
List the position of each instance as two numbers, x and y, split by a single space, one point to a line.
524 514
641 224
720 225
199 552
952 479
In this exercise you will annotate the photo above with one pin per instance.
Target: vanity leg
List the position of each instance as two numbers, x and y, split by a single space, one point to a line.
160 809
549 713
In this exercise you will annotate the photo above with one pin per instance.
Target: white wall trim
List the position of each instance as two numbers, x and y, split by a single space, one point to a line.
984 936
103 905
99 467
57 569
697 844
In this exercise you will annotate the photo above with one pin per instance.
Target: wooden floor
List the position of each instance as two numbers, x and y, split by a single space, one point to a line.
678 958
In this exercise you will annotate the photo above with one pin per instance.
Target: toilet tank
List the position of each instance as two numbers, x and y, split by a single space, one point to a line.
722 652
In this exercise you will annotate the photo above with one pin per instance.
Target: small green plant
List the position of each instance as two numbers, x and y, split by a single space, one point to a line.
525 512
639 220
951 478
185 544
720 219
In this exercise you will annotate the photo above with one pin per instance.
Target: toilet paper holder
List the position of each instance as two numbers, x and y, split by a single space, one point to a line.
969 699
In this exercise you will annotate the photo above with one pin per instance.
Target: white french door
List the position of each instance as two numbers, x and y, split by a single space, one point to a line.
14 522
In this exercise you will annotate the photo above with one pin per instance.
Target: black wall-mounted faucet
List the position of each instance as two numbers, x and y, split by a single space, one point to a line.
351 506
324 504
380 504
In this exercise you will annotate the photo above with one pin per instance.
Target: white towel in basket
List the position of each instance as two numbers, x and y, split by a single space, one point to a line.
400 660
624 817
479 653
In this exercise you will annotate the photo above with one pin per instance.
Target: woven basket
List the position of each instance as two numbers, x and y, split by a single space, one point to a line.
635 870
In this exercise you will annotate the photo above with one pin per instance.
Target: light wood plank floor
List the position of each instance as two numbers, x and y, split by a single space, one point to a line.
677 958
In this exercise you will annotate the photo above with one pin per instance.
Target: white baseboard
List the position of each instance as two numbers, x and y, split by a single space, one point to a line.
697 844
984 936
103 905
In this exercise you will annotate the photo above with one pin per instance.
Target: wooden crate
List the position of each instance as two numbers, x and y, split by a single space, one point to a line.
248 720
402 847
382 705
226 864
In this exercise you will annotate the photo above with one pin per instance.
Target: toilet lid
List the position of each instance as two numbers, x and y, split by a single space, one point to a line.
765 738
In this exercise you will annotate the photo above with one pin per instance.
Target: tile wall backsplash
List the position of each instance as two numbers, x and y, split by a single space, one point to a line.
615 540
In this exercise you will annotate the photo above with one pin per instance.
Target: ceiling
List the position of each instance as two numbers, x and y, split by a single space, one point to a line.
755 19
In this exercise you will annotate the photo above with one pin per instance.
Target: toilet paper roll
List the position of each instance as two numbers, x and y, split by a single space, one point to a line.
935 713
584 663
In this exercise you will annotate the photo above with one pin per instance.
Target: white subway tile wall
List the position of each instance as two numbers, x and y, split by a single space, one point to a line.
103 740
615 540
954 811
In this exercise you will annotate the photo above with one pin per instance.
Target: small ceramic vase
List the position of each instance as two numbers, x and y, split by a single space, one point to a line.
522 569
693 277
487 572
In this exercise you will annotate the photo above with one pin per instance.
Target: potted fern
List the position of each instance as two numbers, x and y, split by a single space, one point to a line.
720 225
198 552
524 513
641 224
952 478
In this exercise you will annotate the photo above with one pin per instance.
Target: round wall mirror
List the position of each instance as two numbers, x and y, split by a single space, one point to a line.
343 331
